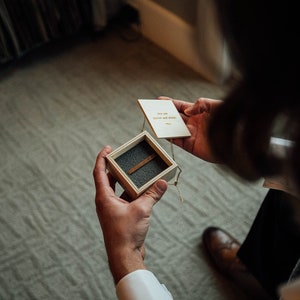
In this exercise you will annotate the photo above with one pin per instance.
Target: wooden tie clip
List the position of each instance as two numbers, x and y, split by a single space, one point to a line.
141 164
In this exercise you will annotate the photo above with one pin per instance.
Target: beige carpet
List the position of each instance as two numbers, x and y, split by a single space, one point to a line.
57 110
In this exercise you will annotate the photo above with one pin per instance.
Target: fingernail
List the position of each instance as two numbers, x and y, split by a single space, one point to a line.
162 185
188 111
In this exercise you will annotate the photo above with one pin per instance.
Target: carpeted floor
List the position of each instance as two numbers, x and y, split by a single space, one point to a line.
58 108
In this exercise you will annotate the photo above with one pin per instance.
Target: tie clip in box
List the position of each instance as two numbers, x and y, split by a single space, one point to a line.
137 164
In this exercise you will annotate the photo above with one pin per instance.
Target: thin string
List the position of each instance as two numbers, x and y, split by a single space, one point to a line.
176 180
180 208
144 125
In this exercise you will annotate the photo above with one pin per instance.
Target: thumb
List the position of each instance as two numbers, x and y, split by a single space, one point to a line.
200 106
155 192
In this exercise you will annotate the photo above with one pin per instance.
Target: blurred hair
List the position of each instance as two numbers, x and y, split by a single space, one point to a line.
263 42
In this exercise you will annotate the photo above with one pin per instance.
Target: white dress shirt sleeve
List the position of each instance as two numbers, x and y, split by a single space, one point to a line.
141 284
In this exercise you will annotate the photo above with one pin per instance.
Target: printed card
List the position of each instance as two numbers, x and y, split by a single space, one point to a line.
164 118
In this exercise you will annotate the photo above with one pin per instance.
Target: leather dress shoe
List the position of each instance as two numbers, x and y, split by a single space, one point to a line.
222 249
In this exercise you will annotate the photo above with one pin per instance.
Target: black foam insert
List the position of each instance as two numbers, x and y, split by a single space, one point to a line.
134 156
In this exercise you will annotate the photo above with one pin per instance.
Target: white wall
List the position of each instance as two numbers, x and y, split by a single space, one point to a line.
197 45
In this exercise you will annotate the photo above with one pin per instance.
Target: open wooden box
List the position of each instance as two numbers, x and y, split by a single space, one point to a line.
140 162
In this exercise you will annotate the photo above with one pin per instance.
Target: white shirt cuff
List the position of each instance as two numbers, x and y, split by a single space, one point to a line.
141 284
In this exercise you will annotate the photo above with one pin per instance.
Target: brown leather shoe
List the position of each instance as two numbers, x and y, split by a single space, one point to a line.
222 249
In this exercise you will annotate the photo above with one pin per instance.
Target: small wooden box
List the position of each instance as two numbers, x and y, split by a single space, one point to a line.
143 151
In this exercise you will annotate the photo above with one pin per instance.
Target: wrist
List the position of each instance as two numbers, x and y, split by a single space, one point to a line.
125 261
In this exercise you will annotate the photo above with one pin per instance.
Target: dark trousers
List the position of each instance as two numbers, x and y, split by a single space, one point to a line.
272 247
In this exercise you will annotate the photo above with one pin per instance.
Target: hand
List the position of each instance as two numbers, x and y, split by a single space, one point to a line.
196 116
124 225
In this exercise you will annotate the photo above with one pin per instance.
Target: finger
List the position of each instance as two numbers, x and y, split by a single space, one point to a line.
100 176
154 193
181 106
202 105
164 98
184 117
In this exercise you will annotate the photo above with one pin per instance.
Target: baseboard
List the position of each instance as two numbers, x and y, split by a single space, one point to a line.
171 33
